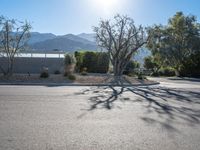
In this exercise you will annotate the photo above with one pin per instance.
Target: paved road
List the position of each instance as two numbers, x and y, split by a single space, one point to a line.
164 117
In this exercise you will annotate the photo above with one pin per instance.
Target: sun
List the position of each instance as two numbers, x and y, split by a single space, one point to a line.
105 3
104 6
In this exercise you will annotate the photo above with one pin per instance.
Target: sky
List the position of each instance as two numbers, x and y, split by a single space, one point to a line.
79 16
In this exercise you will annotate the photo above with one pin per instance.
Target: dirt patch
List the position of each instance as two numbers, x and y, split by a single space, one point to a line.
35 78
90 79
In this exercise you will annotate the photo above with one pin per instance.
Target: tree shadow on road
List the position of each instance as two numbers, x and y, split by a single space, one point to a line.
175 105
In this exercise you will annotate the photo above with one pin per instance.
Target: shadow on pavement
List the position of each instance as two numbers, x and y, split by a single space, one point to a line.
175 105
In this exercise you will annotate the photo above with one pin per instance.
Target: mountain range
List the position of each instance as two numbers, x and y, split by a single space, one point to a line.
43 42
68 42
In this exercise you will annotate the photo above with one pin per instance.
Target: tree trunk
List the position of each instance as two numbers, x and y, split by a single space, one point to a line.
177 71
11 67
9 70
118 72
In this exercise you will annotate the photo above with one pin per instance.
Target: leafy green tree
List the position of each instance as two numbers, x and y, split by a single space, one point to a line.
191 66
175 42
150 64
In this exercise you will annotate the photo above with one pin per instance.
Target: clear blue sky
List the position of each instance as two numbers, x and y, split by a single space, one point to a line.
77 16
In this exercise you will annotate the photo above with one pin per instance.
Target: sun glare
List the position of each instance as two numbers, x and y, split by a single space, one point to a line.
106 3
104 6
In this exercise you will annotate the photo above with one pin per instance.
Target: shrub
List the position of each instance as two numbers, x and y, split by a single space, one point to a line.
95 62
155 74
72 77
191 66
44 73
166 71
131 74
152 63
84 69
110 70
84 73
65 74
141 76
130 67
69 59
57 72
149 63
70 62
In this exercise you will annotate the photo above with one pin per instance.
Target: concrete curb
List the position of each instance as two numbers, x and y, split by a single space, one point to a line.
177 78
76 84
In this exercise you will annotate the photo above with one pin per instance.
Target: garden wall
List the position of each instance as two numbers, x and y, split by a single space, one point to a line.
34 65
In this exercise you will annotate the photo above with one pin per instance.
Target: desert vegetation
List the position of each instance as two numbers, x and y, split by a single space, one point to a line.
14 35
174 47
121 38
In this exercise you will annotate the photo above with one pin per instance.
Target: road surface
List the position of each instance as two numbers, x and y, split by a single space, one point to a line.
162 117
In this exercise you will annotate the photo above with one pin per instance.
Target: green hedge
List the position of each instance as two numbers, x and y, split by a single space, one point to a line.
191 66
166 71
95 62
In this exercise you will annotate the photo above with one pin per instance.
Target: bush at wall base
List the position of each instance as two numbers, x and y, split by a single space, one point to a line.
141 76
44 73
84 73
57 72
72 77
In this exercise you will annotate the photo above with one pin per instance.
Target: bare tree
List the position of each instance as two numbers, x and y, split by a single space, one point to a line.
13 39
121 38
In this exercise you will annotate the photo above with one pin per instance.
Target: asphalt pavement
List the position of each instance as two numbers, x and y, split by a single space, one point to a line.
160 117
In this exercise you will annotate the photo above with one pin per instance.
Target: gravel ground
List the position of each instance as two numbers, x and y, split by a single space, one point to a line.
89 79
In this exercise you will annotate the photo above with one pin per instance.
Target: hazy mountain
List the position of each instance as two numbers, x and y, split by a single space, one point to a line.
141 54
68 42
71 42
87 36
39 37
77 39
64 43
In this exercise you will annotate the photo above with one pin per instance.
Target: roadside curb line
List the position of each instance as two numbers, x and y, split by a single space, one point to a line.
78 84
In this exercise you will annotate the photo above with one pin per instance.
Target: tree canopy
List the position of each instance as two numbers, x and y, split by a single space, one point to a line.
121 38
176 42
13 39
